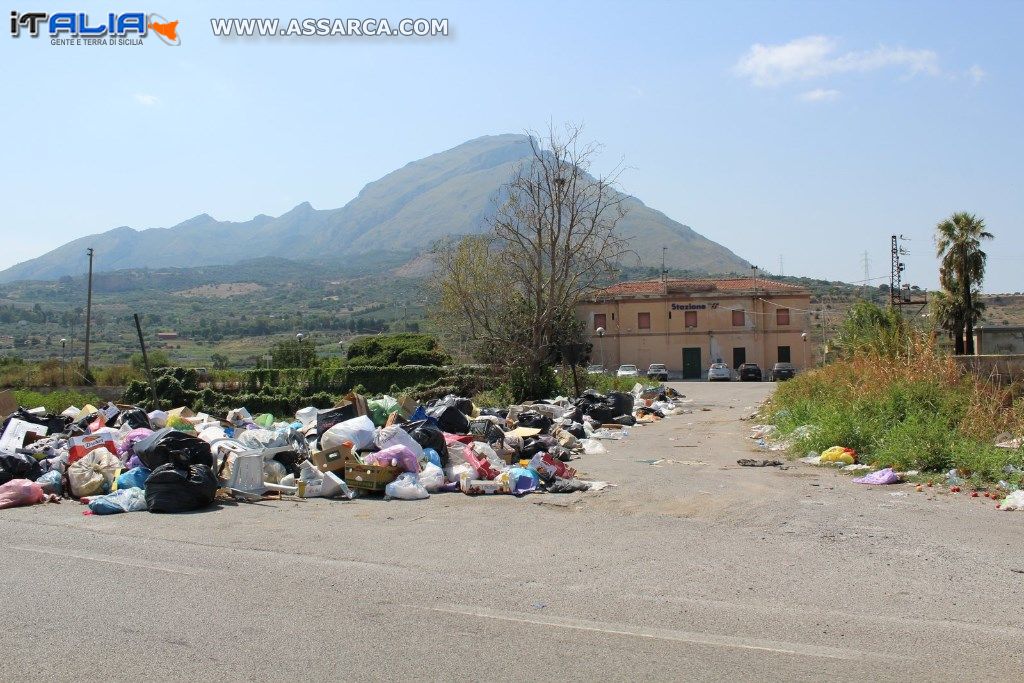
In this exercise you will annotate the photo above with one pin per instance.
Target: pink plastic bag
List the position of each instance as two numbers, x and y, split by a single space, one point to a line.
124 447
19 492
886 476
399 454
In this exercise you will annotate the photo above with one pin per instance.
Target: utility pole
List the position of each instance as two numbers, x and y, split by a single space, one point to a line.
145 363
782 268
88 314
664 270
866 262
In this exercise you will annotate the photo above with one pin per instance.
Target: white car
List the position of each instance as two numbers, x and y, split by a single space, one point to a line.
627 371
719 372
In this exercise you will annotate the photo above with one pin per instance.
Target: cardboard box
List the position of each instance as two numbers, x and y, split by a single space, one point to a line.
332 459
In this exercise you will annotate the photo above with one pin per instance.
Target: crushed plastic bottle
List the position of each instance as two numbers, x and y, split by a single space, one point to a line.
954 479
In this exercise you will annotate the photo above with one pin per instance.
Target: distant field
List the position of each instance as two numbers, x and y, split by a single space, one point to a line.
223 291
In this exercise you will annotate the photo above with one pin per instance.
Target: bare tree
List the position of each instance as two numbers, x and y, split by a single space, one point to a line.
551 241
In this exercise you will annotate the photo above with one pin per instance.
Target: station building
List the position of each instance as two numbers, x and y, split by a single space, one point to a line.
690 324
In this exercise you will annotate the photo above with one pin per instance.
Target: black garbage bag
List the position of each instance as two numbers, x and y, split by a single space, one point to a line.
621 403
494 412
449 418
157 449
18 466
55 424
135 418
565 486
560 452
428 436
576 429
178 486
625 420
534 420
464 405
575 414
532 447
290 460
602 413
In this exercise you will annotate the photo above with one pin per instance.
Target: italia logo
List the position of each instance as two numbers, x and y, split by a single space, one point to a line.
78 29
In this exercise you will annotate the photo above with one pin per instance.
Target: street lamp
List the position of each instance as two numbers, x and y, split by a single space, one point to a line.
803 337
299 338
63 362
600 335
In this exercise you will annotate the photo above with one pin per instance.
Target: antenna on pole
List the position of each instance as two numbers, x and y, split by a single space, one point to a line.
782 268
664 270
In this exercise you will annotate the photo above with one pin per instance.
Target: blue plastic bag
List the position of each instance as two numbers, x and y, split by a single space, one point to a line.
432 455
523 480
133 478
123 500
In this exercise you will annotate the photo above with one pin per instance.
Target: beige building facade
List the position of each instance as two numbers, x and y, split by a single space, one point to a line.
690 324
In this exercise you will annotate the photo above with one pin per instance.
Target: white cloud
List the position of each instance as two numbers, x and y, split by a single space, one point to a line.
147 100
816 57
976 74
820 95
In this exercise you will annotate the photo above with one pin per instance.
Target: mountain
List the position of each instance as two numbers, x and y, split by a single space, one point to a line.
449 193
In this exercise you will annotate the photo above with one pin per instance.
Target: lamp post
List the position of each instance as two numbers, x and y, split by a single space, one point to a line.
63 362
299 337
803 338
600 336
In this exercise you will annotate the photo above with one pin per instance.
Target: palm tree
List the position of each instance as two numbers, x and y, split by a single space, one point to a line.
958 244
950 314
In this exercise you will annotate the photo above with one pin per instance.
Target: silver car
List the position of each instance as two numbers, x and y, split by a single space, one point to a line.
627 371
719 372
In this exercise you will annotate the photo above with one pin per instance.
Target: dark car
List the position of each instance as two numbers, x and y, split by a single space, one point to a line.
750 372
782 371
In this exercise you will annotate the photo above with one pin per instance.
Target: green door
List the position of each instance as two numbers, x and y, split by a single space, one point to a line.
691 363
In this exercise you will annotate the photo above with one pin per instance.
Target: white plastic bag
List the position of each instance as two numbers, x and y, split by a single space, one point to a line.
273 471
395 436
93 473
158 419
432 478
358 430
306 416
406 487
1014 501
593 447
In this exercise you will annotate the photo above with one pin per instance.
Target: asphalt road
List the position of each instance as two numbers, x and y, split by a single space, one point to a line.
694 568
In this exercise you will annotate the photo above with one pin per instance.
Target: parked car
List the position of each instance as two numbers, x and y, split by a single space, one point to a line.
781 372
657 371
719 372
627 371
750 372
595 369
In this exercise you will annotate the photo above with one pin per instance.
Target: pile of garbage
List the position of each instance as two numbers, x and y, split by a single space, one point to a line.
120 458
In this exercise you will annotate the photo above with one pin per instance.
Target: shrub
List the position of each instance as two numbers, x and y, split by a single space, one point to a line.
406 348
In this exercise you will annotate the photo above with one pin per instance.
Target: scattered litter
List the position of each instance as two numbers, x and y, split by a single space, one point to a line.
751 462
838 455
1014 501
856 467
886 476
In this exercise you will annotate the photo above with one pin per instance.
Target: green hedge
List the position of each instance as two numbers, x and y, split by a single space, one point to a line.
373 379
283 391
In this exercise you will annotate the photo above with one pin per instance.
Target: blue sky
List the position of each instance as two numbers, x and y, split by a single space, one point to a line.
811 130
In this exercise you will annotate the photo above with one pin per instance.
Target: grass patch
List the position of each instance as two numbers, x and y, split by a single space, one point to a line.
915 411
56 401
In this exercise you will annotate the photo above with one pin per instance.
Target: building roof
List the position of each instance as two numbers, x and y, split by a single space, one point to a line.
695 286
